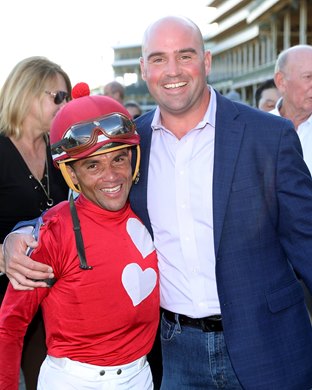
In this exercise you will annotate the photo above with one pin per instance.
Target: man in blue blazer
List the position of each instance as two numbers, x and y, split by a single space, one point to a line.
262 232
226 195
262 226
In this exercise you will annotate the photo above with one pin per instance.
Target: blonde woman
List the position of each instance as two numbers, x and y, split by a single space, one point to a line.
31 96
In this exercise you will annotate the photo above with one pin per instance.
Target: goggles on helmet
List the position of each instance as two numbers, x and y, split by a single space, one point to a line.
100 135
84 138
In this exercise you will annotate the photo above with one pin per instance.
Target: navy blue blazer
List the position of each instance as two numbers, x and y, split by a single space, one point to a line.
262 214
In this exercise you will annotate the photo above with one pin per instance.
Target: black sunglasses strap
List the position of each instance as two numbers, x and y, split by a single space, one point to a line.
78 235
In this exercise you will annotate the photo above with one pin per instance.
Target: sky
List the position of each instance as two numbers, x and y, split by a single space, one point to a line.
79 34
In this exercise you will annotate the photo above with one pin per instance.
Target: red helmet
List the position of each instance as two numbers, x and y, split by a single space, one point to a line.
89 125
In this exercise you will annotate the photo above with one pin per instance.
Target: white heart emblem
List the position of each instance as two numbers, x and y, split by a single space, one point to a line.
138 283
140 236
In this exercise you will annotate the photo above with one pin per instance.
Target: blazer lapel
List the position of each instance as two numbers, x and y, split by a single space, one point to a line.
138 193
228 136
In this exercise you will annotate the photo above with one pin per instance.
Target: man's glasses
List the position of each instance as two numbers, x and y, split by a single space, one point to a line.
85 135
58 96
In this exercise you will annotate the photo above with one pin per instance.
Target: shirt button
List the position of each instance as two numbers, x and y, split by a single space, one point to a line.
119 371
102 372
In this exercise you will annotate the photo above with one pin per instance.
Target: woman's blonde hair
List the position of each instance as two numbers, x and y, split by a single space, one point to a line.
27 80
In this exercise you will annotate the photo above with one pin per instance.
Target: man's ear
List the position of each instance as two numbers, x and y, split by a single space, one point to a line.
207 56
279 79
143 75
72 174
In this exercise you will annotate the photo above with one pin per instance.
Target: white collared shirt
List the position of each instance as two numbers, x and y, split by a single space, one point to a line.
304 132
180 209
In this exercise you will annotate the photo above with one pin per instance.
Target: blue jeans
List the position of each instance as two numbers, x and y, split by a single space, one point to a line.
193 359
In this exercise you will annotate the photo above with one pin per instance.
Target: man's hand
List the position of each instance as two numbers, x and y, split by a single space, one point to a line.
21 269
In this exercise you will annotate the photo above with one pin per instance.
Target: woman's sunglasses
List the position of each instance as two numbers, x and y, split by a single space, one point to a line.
59 96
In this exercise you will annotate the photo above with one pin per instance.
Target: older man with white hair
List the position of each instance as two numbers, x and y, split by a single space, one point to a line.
293 78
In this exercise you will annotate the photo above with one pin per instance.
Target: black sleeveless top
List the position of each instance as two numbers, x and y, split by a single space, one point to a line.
21 196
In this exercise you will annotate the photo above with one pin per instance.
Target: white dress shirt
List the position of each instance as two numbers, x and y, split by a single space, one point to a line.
304 132
180 208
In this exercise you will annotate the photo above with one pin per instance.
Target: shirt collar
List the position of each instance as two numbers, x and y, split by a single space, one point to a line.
209 117
279 104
